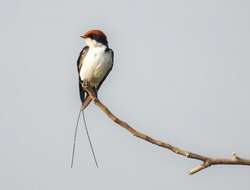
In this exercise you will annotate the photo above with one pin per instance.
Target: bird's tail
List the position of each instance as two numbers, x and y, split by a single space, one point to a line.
74 143
86 102
87 132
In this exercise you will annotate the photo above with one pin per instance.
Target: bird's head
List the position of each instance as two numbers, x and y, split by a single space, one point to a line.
94 38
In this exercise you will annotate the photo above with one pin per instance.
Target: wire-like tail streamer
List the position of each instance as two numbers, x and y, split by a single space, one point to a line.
74 143
91 146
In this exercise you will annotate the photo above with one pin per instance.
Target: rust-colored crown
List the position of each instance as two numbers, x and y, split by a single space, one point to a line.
97 35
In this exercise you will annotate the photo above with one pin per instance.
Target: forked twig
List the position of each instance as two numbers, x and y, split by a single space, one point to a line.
206 161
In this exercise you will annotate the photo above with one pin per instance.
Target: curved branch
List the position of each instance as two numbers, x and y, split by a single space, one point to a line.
206 161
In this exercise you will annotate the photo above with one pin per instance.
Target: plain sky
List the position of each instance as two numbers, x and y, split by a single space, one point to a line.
181 74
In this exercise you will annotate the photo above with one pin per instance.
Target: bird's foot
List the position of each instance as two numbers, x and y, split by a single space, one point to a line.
85 83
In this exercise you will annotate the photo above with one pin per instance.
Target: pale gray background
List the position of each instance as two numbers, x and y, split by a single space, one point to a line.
181 73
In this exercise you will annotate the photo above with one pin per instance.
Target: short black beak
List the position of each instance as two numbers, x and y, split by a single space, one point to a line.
83 36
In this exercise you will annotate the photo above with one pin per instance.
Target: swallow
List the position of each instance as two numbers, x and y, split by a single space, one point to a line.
94 63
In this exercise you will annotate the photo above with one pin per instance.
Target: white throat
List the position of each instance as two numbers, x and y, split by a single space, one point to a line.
93 43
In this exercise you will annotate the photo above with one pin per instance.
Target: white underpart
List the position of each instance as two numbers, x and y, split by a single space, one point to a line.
96 63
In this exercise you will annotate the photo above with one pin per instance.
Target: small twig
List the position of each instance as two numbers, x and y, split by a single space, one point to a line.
206 161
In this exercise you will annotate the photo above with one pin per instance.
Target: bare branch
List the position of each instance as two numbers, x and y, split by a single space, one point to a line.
206 161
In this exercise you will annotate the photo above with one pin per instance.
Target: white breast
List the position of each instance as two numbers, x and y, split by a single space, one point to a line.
95 65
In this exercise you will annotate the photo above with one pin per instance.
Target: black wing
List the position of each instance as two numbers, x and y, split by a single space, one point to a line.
112 54
79 66
81 57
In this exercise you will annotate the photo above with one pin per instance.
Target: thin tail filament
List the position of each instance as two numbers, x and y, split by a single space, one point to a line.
74 143
87 132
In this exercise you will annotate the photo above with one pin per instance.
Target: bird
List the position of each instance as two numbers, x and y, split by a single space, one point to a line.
93 65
